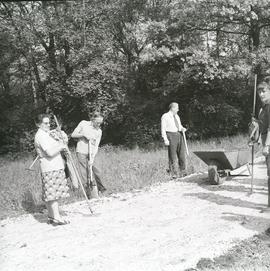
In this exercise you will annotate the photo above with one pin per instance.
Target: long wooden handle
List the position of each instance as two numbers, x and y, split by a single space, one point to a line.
185 140
73 165
252 147
252 169
33 162
90 160
254 95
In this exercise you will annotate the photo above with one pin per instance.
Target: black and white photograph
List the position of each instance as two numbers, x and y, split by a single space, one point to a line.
135 135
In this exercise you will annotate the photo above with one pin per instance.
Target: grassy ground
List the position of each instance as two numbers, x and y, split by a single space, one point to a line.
122 170
127 170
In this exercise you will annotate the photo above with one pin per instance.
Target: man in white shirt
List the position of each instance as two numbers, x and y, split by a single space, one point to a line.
89 132
171 131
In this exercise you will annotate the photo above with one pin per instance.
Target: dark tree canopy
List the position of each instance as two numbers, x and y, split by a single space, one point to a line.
129 59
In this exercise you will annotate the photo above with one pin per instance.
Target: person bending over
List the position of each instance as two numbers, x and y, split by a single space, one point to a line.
88 134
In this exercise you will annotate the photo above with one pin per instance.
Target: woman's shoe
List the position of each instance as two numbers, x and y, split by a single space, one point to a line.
56 222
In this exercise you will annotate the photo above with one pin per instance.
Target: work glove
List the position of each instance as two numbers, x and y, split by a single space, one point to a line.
253 131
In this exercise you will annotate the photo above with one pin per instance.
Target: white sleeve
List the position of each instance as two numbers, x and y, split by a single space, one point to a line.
77 131
163 127
43 143
48 147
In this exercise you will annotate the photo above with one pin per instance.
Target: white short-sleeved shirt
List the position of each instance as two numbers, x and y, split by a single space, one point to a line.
86 128
43 142
168 124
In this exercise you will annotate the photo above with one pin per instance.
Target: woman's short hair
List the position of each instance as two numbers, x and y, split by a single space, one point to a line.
40 118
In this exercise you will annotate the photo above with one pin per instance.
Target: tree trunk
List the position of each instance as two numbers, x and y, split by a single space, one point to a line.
68 68
255 36
51 52
255 30
34 91
217 42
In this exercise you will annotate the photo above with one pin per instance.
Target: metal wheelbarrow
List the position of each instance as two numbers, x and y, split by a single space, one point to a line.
221 162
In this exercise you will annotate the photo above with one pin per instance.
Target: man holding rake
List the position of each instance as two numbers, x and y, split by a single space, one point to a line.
88 134
173 134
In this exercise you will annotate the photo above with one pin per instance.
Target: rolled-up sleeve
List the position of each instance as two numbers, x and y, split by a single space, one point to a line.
78 130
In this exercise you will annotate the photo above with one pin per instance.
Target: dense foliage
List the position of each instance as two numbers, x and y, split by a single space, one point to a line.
129 59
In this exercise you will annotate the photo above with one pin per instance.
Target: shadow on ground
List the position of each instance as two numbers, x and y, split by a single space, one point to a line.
222 200
250 254
30 205
37 210
254 223
202 181
234 188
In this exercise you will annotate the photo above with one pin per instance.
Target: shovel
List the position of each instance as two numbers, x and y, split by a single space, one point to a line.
94 189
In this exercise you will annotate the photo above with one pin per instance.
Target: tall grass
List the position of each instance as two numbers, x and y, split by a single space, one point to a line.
122 170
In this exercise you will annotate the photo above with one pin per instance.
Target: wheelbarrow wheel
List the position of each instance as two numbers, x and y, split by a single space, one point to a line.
213 175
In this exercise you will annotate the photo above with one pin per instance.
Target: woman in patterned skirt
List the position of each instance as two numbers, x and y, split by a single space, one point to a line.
54 183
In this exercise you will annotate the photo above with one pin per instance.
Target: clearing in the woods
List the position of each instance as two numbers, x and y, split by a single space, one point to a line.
178 225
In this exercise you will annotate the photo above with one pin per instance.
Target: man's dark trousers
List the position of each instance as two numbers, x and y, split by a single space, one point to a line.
176 152
84 170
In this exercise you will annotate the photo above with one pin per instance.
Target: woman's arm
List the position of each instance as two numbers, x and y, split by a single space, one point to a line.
55 150
47 147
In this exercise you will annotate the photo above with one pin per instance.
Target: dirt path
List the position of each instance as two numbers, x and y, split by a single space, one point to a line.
170 226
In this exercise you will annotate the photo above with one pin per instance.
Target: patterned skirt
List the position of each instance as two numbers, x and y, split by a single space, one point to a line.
54 185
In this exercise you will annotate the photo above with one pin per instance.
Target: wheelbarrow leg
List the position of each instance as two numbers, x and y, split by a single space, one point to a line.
213 174
248 168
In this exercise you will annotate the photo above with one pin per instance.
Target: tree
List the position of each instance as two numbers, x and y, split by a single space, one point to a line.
130 59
